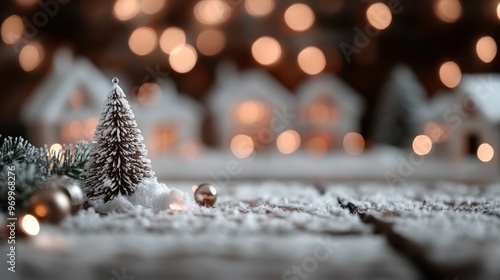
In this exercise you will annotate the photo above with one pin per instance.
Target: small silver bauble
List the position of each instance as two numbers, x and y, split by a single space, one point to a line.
205 195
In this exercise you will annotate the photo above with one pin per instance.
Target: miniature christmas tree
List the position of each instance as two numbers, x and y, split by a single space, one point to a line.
398 113
117 161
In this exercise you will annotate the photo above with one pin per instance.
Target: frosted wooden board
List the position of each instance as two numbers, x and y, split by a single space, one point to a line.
260 230
456 226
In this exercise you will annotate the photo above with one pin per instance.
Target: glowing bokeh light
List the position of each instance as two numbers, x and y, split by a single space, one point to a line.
299 17
172 39
450 74
212 11
486 49
498 10
422 145
251 111
259 8
353 143
125 10
55 148
379 16
266 50
242 145
12 29
288 142
143 41
176 206
311 60
41 210
29 225
448 10
151 6
485 152
211 42
30 56
183 60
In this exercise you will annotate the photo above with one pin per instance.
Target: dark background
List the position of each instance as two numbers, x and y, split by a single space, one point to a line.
416 37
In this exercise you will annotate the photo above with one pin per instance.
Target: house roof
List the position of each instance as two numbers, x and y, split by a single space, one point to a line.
172 105
436 107
334 87
253 83
51 96
484 89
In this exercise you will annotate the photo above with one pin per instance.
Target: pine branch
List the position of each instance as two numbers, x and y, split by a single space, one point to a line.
69 161
35 165
17 149
28 179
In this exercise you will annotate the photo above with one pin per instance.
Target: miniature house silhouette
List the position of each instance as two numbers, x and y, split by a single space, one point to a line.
170 122
249 109
66 106
464 124
328 110
476 125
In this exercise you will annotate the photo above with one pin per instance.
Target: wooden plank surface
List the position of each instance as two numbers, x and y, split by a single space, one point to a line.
282 230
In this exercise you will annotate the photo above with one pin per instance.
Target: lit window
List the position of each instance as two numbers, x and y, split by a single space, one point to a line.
165 137
318 144
322 111
77 100
251 112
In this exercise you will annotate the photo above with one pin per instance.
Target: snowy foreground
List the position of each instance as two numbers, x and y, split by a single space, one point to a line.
280 230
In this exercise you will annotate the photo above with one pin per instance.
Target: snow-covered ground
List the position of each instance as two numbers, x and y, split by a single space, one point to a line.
281 230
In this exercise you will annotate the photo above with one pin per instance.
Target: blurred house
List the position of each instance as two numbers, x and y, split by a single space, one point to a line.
476 125
170 122
249 109
460 131
328 110
66 106
464 124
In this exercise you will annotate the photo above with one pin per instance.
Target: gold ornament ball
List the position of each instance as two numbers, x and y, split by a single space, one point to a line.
50 205
205 195
71 188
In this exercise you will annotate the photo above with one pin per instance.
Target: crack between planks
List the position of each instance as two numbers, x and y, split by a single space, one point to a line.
408 249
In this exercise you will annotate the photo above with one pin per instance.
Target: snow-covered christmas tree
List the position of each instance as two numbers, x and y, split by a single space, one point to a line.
117 161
